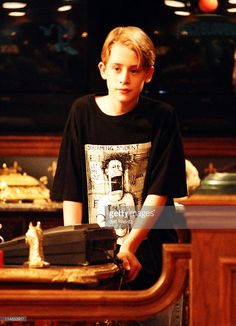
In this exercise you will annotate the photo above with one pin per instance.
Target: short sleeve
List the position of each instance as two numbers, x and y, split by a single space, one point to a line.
167 175
68 181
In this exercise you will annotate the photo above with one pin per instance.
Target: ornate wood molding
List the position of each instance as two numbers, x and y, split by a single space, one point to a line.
213 258
29 145
205 201
227 270
49 146
210 147
74 304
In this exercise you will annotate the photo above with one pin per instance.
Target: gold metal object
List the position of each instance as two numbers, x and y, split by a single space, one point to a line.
52 168
34 238
16 186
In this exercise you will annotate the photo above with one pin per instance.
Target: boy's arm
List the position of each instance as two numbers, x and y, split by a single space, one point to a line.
151 210
72 212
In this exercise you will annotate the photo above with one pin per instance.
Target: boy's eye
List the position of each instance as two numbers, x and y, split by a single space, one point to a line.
134 70
116 68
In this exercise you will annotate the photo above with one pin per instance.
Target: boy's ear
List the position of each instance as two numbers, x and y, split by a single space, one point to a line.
102 69
150 73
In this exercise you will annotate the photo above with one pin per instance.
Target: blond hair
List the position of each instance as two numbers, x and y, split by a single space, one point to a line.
135 39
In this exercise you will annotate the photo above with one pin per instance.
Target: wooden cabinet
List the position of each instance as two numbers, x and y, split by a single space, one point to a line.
212 221
15 218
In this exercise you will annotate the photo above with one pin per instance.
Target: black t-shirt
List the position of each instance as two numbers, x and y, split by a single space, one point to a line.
111 163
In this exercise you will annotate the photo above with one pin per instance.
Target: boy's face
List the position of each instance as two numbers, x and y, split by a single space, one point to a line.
125 80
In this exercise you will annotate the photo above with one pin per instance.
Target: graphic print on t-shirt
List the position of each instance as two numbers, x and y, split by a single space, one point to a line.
115 178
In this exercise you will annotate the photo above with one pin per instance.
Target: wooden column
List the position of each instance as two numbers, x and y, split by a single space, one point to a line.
212 220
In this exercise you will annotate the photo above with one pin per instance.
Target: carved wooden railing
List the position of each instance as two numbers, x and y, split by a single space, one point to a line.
210 258
74 304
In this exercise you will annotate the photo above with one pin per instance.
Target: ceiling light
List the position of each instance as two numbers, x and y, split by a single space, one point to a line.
208 5
64 8
13 5
182 13
184 33
176 4
232 2
231 9
84 34
16 13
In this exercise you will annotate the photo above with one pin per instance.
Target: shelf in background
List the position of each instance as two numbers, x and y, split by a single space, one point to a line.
49 146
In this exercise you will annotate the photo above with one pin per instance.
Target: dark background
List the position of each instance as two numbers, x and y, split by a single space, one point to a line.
47 59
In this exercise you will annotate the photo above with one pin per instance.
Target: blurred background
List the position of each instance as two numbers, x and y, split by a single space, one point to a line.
49 51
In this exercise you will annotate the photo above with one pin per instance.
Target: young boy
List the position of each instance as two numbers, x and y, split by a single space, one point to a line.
139 139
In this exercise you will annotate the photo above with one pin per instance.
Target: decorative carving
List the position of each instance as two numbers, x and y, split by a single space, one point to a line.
34 238
16 186
210 168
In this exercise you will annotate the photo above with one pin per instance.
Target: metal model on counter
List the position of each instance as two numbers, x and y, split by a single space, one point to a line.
222 183
16 186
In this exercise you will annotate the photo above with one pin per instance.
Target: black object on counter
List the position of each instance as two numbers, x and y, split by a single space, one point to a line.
86 244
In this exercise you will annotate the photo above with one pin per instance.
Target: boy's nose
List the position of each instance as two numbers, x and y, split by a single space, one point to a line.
124 76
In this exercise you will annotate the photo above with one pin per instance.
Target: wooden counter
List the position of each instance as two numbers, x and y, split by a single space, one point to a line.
62 277
210 200
89 304
212 281
212 220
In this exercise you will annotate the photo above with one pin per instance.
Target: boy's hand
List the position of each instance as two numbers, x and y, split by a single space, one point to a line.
130 264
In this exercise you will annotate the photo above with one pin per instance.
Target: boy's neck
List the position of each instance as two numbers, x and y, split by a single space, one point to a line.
114 108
